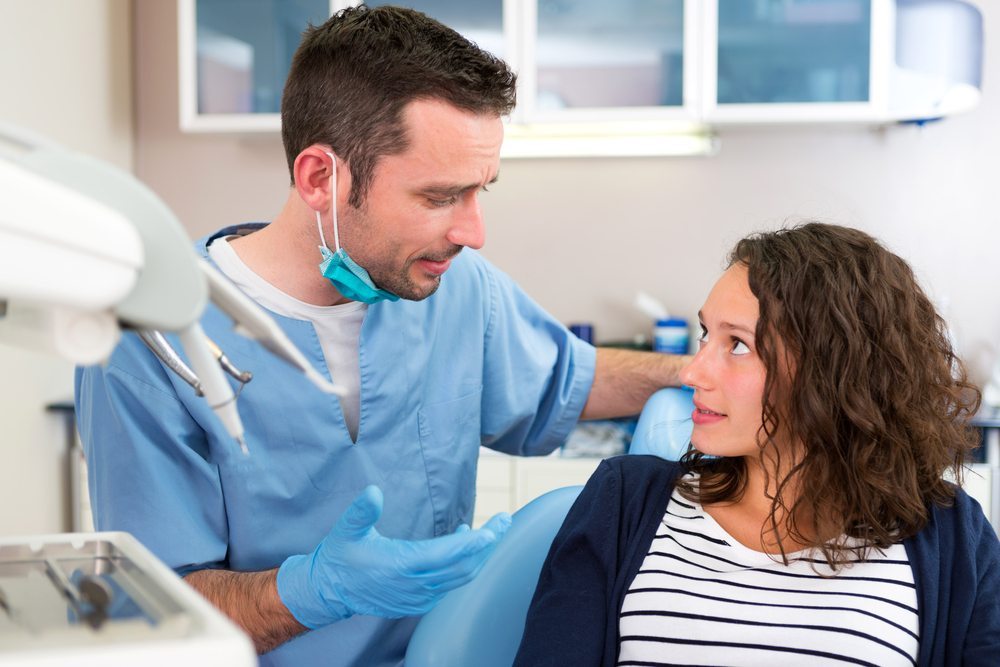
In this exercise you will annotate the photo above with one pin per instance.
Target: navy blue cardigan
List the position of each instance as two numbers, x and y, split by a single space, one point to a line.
574 615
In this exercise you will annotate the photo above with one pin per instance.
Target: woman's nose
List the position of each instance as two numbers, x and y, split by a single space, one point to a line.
692 375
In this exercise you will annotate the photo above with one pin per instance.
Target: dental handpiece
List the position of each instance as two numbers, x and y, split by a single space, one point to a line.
253 322
240 376
159 345
216 389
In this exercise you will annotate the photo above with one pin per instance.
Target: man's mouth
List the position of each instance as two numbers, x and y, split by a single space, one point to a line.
434 267
437 265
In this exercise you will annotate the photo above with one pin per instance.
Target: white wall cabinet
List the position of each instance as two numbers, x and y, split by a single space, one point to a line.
635 72
631 70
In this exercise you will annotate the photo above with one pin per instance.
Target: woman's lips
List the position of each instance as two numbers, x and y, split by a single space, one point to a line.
703 416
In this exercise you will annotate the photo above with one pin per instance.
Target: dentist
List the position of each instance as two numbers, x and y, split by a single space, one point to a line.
350 517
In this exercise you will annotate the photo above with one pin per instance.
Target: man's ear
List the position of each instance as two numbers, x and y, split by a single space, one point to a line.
312 170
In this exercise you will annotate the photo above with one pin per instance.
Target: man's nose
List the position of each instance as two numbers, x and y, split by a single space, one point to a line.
468 228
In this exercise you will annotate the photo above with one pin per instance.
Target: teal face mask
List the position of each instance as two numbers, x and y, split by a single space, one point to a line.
349 277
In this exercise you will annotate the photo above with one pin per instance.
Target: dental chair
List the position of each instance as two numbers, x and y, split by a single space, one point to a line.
481 623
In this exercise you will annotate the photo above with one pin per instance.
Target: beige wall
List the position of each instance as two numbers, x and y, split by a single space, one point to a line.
65 72
583 235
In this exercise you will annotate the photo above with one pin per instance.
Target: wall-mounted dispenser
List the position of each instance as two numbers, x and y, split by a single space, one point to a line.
938 65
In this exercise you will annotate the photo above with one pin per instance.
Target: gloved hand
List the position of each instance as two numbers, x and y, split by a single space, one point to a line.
356 570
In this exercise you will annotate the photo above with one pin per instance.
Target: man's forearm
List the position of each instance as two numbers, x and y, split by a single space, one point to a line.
625 379
251 600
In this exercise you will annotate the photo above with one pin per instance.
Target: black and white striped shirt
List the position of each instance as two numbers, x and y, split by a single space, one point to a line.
702 598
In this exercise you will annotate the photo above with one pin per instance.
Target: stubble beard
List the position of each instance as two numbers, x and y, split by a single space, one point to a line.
402 284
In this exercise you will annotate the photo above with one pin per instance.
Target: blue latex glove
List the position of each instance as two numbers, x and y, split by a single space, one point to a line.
356 570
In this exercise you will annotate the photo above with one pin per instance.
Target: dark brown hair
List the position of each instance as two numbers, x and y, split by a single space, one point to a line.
877 396
352 77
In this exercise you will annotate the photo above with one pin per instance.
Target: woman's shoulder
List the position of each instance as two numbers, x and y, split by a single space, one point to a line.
958 525
964 514
644 464
640 470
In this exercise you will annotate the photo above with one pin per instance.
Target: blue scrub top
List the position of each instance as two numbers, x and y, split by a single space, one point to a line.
477 363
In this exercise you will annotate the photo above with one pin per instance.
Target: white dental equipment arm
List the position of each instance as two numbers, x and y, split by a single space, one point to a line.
86 250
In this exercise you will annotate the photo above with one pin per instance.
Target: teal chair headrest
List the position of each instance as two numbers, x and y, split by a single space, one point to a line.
664 427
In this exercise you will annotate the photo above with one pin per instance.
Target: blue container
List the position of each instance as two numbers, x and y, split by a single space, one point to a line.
670 336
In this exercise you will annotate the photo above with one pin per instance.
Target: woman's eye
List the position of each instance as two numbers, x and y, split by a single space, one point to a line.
703 338
739 347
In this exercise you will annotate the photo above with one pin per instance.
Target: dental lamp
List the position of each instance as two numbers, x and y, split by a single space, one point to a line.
86 250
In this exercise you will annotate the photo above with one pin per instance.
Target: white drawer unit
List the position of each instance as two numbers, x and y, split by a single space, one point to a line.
507 483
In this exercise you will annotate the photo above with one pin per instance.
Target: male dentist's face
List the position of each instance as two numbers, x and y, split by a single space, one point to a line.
423 204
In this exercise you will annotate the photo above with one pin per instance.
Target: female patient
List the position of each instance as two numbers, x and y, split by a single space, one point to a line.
809 523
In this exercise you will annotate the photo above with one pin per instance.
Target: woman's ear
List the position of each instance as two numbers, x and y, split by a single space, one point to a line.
312 170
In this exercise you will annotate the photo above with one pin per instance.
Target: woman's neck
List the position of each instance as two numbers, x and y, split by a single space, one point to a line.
748 519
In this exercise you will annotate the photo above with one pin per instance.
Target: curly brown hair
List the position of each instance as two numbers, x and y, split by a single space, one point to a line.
878 397
352 77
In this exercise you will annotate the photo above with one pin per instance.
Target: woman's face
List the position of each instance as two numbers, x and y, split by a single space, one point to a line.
727 375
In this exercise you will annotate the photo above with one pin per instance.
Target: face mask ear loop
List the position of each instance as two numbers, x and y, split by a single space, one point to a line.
333 198
319 226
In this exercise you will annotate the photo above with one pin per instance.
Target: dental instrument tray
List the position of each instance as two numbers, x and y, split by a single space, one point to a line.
103 599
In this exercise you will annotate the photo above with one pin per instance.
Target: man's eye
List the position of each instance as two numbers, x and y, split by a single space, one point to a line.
739 347
441 203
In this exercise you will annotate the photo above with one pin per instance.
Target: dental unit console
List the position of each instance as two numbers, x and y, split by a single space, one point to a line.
87 251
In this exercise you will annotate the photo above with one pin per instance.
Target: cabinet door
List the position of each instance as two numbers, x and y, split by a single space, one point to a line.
537 476
598 78
793 59
599 60
236 58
